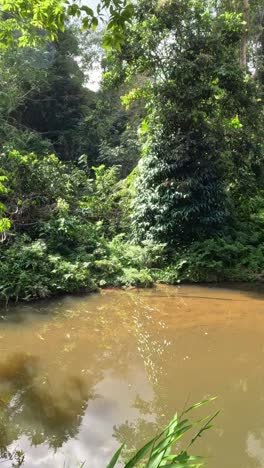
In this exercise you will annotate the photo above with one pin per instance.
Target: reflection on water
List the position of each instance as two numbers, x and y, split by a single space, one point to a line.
81 375
31 406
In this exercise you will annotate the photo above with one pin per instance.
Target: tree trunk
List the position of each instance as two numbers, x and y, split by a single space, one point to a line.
244 39
260 48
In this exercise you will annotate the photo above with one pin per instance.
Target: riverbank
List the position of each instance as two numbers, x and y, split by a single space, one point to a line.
32 270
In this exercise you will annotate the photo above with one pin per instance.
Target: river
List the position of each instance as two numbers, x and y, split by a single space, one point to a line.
80 375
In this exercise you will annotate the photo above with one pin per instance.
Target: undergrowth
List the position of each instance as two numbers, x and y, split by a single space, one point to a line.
69 236
237 256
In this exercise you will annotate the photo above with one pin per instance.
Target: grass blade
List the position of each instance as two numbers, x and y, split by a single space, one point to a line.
115 458
203 429
198 405
141 453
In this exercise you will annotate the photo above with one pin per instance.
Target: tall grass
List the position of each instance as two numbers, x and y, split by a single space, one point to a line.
159 452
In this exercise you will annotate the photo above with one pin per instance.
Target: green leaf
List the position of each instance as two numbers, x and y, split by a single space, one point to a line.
141 453
198 405
87 10
115 458
5 224
204 428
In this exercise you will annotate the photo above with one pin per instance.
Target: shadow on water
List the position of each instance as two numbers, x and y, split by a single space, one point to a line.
250 290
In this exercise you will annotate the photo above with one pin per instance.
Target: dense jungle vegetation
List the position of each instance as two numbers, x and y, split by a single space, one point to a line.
156 176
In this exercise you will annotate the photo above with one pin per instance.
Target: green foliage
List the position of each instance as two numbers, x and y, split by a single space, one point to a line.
110 272
4 222
59 222
22 71
127 264
158 451
29 271
236 256
35 184
105 204
198 127
47 107
50 244
136 278
148 254
192 209
117 126
125 154
203 156
27 19
131 264
34 21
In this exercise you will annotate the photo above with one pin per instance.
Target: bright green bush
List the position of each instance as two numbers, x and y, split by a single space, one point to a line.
126 264
133 277
52 241
103 202
130 264
22 270
28 271
106 271
60 219
146 255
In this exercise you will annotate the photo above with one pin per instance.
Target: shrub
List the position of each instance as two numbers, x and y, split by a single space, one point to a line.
133 277
28 271
55 220
237 257
146 255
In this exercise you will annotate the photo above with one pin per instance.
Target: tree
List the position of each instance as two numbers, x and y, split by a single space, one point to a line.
201 139
46 106
251 44
58 109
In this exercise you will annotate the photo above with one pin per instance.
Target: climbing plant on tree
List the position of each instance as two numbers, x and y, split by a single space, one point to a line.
199 102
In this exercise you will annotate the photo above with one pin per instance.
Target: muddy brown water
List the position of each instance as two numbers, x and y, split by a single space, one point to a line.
79 376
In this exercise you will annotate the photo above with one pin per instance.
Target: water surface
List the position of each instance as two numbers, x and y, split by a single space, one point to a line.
81 375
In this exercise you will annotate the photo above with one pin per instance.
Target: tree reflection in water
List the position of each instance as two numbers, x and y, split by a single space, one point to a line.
155 352
31 406
47 411
125 360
